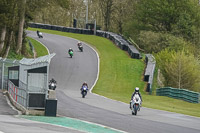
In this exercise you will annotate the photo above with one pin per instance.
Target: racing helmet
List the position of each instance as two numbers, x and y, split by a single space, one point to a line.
137 89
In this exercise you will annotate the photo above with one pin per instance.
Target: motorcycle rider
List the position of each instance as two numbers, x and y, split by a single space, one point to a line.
52 80
79 44
70 49
82 89
135 92
84 84
38 32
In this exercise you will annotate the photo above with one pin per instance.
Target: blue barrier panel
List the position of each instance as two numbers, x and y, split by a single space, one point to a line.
41 26
59 28
53 27
47 26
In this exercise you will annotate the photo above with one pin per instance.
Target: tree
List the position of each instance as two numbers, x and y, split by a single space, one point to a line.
14 18
180 18
154 42
77 10
106 10
22 5
7 24
159 15
11 29
4 11
122 12
180 69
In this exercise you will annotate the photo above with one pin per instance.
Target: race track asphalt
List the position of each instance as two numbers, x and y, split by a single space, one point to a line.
70 73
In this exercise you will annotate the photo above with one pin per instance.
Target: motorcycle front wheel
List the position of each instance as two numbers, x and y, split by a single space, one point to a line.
135 109
133 113
84 94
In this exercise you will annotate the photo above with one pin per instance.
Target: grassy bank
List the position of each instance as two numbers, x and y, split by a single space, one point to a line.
119 75
40 49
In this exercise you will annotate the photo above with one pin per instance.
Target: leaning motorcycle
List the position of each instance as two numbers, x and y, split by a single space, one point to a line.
71 54
135 104
40 35
84 90
80 48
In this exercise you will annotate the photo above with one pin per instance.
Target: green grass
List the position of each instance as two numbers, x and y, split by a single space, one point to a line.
119 75
40 49
13 55
172 105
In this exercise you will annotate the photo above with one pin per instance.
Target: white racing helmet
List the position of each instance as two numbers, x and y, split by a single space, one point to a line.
137 89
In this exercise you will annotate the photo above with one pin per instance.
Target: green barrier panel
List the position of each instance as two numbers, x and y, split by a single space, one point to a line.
183 94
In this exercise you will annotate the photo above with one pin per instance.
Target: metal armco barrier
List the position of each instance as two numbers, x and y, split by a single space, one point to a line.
183 94
149 71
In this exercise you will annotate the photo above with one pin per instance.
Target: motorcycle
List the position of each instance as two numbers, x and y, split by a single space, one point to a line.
84 90
80 48
39 34
71 54
135 104
52 85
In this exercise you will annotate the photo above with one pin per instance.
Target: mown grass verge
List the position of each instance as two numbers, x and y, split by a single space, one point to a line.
119 75
40 49
27 53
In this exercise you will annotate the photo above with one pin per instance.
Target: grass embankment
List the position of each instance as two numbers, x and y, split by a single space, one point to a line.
27 53
119 75
39 49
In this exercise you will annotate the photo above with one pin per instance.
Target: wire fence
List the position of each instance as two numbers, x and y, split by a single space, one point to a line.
4 65
26 81
19 95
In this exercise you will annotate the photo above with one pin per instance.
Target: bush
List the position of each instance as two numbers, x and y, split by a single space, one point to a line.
155 42
180 69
